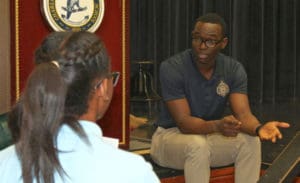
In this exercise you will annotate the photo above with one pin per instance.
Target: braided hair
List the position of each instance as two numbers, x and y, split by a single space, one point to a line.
57 94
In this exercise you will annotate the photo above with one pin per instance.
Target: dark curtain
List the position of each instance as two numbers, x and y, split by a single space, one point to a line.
263 35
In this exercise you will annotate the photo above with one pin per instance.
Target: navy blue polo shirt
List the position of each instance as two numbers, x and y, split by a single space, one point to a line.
180 78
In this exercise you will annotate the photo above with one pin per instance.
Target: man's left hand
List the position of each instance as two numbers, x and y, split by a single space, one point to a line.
270 130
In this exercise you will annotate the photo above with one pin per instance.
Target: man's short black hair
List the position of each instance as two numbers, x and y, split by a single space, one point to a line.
215 19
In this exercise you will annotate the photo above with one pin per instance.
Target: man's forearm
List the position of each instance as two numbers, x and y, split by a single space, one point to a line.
249 123
194 125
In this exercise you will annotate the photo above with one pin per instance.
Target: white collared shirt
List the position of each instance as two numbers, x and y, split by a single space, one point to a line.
84 163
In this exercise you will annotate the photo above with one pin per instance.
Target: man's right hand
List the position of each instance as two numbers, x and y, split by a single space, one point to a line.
229 126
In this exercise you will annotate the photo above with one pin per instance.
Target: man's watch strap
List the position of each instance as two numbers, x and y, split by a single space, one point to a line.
257 129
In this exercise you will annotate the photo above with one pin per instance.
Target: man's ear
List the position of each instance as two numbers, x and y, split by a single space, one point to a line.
224 42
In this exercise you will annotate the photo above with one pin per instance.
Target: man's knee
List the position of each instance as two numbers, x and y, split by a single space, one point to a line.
197 146
251 143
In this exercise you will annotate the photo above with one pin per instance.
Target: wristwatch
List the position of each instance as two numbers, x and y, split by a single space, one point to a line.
257 129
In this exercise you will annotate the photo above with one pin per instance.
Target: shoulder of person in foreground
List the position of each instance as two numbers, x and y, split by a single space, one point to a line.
105 162
10 168
7 154
132 166
119 166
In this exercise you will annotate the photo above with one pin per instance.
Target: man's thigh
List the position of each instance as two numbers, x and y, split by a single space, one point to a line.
224 150
170 147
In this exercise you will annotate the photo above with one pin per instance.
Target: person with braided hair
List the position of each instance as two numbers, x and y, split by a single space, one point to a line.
58 139
46 52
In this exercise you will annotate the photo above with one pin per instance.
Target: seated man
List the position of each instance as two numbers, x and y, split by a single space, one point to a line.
196 86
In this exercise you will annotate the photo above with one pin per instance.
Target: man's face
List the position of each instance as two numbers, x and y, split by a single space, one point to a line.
207 41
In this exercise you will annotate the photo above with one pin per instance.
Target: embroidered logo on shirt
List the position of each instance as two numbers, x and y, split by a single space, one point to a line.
222 89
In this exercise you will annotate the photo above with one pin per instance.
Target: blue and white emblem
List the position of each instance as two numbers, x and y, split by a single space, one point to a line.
222 89
74 15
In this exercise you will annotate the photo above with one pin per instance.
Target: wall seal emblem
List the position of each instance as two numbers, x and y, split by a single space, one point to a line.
222 89
73 15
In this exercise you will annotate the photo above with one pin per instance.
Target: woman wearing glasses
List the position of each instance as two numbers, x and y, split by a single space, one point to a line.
58 139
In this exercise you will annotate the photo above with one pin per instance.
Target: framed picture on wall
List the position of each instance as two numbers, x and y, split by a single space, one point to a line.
73 15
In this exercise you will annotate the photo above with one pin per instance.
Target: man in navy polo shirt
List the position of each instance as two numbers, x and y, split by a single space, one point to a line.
192 132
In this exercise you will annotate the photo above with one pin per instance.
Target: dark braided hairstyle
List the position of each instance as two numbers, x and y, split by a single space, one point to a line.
48 50
81 64
55 96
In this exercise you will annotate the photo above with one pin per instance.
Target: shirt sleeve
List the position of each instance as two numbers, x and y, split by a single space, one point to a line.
171 80
239 83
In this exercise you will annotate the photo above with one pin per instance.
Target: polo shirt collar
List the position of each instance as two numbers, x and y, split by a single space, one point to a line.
218 71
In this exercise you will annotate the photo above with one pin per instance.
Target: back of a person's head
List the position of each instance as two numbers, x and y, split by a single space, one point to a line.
48 50
56 93
213 18
83 59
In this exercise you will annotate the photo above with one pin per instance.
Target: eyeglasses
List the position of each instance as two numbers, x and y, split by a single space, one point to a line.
208 43
115 78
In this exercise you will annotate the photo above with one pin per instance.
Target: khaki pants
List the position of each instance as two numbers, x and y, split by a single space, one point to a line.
197 153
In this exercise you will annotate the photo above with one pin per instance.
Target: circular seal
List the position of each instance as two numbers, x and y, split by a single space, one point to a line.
73 15
222 89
